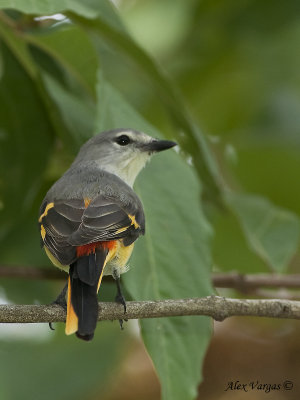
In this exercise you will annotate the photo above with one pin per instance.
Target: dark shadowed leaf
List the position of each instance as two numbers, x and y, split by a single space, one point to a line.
26 140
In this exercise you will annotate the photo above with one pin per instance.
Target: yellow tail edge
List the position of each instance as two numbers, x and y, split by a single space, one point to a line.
72 319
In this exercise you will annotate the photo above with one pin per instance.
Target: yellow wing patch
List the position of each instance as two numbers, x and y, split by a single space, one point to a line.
133 221
43 232
50 205
87 202
122 230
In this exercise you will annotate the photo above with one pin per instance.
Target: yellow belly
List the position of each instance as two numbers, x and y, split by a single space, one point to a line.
55 261
118 259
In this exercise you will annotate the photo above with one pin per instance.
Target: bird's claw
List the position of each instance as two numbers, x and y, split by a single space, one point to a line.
61 298
121 300
60 301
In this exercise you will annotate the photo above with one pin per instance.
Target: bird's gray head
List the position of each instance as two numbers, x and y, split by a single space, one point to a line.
123 152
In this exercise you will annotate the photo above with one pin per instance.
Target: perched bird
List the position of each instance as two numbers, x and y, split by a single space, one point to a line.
91 217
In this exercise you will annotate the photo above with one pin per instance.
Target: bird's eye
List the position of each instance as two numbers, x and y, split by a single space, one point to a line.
123 140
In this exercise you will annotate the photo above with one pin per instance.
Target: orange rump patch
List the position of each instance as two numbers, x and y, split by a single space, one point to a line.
89 248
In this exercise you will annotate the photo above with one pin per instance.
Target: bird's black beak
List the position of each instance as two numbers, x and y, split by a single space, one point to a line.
159 145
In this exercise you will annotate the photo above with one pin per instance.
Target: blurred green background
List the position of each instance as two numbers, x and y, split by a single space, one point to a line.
222 78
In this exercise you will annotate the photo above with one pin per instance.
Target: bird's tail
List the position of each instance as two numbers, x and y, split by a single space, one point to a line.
85 276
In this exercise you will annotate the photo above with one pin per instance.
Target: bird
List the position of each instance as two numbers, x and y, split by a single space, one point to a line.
91 217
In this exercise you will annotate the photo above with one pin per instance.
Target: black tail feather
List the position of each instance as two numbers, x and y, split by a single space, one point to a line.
85 274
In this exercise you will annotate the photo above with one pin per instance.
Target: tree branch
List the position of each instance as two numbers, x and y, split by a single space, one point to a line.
245 282
242 282
216 307
23 272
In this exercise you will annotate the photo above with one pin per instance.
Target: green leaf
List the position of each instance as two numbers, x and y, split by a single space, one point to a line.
230 248
19 49
88 9
70 47
100 17
172 260
26 140
77 115
272 232
69 81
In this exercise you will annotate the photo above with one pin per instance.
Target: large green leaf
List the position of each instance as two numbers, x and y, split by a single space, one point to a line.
172 260
272 232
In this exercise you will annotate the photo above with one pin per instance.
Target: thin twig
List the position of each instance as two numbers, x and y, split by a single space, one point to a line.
23 272
216 307
281 293
245 283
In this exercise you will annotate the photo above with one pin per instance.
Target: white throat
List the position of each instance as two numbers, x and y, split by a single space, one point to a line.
128 170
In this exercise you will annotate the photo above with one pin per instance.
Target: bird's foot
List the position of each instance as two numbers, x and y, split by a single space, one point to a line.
61 298
121 300
60 301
